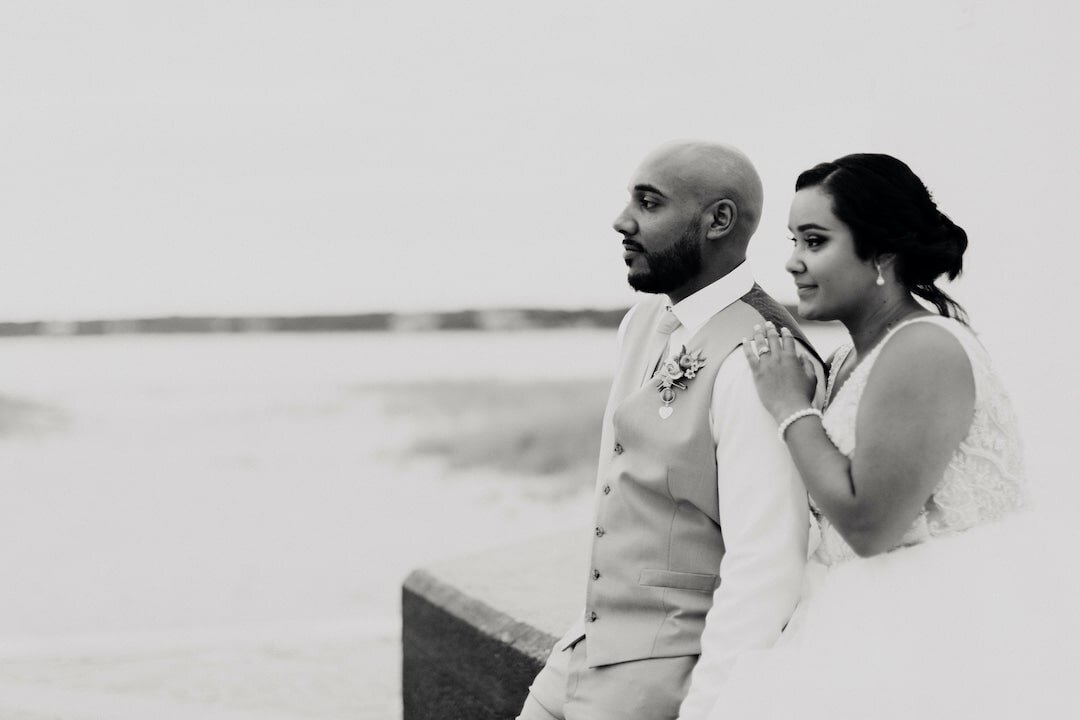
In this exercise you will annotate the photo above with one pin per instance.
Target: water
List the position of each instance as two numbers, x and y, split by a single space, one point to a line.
215 526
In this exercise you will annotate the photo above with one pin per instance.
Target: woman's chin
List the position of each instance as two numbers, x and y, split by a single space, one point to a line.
806 310
814 312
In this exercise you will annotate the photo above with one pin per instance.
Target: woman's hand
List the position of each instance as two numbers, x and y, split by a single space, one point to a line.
785 380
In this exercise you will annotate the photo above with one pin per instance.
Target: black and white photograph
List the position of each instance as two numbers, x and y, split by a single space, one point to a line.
702 360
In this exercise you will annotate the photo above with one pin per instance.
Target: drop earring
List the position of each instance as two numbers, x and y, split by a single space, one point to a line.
880 280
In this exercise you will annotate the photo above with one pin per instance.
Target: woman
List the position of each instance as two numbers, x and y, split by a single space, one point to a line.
905 614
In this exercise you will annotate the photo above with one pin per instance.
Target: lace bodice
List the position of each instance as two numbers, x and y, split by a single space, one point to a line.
984 479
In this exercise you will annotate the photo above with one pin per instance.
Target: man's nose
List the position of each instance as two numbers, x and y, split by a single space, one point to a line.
624 224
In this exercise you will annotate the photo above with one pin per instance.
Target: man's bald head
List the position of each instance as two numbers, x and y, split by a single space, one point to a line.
693 208
708 172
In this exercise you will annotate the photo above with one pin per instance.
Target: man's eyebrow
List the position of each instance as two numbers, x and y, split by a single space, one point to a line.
645 187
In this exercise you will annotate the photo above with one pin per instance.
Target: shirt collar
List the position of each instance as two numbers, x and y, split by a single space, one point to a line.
695 310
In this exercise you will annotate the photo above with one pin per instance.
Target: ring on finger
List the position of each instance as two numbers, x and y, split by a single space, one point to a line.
763 350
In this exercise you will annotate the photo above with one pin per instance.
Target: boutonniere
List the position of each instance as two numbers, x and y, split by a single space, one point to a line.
674 373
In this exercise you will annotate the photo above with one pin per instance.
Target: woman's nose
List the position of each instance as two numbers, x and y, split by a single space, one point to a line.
794 264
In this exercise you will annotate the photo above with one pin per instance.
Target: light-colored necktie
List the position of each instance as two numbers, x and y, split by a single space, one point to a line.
668 324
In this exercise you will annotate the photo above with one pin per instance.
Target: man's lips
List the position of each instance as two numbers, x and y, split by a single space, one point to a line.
630 249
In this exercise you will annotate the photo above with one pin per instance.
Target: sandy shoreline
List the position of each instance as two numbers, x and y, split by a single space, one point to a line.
218 527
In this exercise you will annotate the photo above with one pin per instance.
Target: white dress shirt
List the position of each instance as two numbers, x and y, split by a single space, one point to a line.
763 507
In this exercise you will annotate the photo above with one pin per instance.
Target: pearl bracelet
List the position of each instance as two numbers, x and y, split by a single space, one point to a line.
805 412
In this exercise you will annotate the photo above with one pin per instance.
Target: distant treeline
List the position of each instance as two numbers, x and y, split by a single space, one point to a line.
458 320
509 319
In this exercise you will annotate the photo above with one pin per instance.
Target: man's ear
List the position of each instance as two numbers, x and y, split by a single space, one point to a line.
722 215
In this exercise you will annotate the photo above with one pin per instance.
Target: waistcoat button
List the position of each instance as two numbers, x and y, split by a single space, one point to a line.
595 574
599 532
607 489
618 448
591 617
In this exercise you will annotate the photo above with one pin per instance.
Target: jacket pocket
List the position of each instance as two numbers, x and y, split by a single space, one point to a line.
701 582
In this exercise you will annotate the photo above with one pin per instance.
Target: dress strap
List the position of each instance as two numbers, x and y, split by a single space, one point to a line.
964 335
953 326
838 359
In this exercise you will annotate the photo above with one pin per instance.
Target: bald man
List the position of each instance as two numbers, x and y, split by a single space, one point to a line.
701 519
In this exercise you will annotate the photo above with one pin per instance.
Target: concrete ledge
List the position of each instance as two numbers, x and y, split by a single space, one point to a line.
476 630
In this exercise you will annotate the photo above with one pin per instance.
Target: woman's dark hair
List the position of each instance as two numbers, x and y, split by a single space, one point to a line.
889 210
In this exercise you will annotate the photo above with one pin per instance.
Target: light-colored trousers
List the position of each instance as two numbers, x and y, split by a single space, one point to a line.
568 689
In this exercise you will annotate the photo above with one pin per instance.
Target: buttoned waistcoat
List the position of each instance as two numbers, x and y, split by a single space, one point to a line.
658 542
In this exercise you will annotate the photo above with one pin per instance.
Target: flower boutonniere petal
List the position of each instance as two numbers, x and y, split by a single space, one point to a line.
674 373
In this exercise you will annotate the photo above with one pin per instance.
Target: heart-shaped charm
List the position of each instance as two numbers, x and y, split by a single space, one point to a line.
665 411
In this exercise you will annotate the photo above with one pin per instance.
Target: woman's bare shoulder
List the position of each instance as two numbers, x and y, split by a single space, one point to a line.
926 353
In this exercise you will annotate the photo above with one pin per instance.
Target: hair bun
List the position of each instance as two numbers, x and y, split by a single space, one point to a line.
940 251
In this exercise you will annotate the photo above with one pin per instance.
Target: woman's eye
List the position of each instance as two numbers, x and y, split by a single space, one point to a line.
646 204
814 240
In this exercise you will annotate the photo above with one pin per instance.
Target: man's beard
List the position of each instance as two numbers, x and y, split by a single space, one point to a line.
672 267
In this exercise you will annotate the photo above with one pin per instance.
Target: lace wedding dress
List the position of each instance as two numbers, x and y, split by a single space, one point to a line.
973 615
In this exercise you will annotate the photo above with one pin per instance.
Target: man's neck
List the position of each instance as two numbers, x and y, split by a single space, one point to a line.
704 279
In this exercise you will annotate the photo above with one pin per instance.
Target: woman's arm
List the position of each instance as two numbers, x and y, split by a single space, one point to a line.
916 408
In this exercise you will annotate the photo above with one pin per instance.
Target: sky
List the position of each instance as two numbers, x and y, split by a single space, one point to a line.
278 157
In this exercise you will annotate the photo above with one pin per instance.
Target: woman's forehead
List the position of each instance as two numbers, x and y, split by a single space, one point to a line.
811 205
